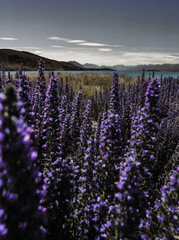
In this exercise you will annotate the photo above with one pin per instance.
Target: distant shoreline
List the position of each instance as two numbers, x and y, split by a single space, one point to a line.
154 70
132 74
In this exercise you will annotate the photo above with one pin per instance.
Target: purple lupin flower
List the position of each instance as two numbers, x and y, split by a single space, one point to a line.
97 135
144 137
42 85
8 80
49 137
3 72
75 121
1 83
86 128
22 215
40 96
114 106
110 154
63 108
82 171
90 210
110 144
161 221
59 200
126 116
24 92
168 145
65 138
18 77
130 200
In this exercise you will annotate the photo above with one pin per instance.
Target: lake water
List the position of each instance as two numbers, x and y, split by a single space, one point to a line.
129 73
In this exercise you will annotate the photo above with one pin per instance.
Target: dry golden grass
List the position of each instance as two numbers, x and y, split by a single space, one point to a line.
89 82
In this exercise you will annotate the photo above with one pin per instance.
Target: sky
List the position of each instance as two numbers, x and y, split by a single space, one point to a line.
103 32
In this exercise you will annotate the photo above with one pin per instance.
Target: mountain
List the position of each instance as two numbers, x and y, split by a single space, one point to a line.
76 64
13 60
88 66
115 67
149 67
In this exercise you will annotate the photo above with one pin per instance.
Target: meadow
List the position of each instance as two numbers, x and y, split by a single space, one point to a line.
88 157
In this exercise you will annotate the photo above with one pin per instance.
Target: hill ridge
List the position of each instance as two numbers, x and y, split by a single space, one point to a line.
13 59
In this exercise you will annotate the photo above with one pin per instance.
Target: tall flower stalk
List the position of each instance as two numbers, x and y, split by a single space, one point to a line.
22 215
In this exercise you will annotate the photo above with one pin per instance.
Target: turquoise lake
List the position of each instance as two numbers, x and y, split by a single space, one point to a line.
129 73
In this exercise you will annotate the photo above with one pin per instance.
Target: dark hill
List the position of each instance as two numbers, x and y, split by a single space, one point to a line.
13 59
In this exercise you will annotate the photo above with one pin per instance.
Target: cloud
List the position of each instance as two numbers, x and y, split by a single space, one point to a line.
76 41
105 49
135 58
31 48
67 40
56 46
175 55
8 39
85 51
134 48
28 48
38 52
89 44
113 56
92 44
59 39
